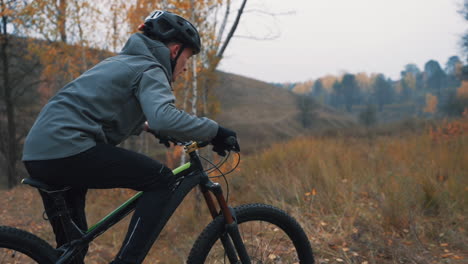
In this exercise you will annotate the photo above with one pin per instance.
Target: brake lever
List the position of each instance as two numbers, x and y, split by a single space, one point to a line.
164 138
231 141
202 144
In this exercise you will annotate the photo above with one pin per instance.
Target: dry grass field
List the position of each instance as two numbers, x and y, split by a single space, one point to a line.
383 199
372 198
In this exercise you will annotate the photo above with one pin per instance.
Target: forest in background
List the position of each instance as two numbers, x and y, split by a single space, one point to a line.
434 92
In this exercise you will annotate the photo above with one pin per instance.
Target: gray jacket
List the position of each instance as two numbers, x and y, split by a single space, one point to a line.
111 101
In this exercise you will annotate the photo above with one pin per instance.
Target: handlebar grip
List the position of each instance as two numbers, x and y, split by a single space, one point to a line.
231 141
202 144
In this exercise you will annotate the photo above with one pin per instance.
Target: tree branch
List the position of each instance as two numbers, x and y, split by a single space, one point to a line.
233 29
260 39
287 13
20 92
223 25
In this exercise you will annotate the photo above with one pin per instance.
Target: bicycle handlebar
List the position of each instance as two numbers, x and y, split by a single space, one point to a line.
230 141
191 146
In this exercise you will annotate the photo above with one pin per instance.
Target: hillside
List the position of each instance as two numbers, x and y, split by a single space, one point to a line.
263 113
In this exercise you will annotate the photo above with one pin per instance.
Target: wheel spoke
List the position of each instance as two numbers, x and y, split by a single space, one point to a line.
269 235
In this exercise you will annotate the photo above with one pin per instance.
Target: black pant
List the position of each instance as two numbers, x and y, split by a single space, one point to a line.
105 166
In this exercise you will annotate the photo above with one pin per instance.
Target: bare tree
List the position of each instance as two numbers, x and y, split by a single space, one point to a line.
233 29
17 77
8 144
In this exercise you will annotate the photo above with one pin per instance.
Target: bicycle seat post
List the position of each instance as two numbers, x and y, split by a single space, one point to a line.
61 210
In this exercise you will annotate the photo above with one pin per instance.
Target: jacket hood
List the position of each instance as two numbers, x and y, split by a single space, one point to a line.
139 44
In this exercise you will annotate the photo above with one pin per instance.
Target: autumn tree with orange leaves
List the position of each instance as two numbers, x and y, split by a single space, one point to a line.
62 34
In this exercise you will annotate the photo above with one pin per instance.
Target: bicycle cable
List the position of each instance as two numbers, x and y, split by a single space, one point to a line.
226 173
217 167
212 169
224 177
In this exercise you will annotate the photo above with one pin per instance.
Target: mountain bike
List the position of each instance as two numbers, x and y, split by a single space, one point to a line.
251 233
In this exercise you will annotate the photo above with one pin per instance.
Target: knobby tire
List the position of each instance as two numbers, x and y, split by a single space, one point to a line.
277 221
16 243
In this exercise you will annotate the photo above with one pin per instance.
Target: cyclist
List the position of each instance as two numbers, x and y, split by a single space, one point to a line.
74 139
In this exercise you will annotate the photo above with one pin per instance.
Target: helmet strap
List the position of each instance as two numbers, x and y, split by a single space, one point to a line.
174 61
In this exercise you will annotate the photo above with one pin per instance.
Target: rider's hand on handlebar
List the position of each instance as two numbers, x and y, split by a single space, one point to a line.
162 140
225 140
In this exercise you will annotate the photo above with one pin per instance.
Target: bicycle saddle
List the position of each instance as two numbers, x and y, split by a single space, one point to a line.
43 186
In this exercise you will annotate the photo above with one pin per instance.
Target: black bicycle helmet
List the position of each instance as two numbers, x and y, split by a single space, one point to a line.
166 26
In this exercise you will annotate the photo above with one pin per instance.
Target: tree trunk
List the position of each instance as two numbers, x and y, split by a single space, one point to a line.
194 86
204 96
223 25
83 45
186 93
231 32
115 28
10 150
62 20
11 146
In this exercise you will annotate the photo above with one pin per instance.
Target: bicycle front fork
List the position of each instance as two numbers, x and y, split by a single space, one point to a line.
231 239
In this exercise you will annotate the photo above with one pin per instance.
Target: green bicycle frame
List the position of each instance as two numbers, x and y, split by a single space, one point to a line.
188 181
177 171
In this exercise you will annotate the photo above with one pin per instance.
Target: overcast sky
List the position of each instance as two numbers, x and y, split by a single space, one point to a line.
332 36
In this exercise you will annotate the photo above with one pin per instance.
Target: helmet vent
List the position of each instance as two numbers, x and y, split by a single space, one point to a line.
190 32
180 22
155 14
164 25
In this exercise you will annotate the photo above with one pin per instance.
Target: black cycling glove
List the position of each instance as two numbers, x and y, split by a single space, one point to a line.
162 140
225 140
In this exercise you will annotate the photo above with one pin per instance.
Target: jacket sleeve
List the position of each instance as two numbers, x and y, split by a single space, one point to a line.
157 102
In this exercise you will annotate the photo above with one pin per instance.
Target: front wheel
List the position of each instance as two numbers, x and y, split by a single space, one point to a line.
18 246
269 235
